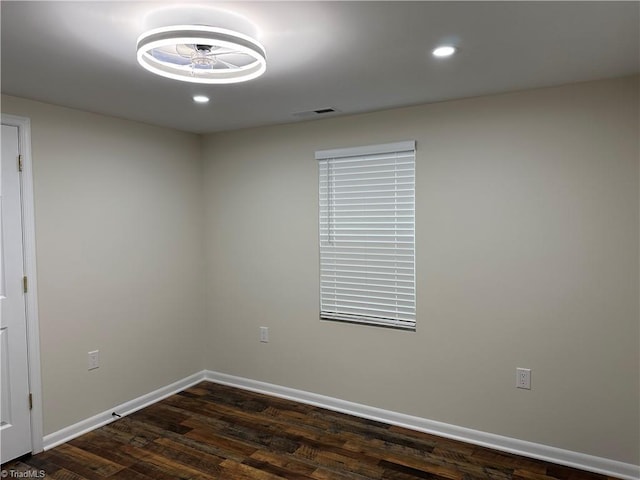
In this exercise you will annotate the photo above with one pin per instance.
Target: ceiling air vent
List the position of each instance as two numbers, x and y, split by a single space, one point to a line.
315 113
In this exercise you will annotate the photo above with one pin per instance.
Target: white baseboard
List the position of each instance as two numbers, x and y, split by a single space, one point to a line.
569 458
89 424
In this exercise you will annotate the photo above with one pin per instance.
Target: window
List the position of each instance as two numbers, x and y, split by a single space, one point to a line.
367 235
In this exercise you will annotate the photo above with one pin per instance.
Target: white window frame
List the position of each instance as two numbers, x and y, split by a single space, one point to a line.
367 234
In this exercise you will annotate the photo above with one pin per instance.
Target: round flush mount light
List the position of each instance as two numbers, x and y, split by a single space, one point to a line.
201 99
201 54
444 51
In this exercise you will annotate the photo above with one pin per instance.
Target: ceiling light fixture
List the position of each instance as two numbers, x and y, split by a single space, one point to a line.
201 99
201 54
444 51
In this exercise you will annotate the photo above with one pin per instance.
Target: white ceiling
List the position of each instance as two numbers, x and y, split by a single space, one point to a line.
352 56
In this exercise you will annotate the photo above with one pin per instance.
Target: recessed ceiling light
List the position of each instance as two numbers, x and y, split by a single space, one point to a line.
201 54
200 99
444 51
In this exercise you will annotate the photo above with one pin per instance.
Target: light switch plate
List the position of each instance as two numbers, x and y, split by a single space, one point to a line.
94 359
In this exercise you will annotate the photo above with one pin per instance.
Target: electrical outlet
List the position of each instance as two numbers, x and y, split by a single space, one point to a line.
94 360
264 334
523 378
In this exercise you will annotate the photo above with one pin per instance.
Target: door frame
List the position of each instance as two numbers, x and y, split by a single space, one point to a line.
31 296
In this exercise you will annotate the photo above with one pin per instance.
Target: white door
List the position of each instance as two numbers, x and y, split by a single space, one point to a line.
15 422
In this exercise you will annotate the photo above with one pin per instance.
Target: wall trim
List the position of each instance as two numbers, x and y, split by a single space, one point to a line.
101 419
560 456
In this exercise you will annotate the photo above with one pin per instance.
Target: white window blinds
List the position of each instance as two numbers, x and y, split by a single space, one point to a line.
367 235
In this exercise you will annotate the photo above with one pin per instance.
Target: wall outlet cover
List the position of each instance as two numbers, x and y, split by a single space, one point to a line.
523 378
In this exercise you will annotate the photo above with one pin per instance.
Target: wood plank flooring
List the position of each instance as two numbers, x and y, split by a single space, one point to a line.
212 431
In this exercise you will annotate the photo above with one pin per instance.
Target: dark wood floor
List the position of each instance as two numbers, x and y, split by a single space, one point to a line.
212 431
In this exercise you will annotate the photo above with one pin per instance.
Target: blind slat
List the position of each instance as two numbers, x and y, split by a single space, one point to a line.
367 287
367 261
348 248
399 277
370 307
407 282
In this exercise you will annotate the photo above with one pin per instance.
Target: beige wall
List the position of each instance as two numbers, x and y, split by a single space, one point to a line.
118 209
527 256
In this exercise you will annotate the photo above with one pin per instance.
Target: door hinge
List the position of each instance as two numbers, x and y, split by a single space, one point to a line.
25 284
30 401
19 163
